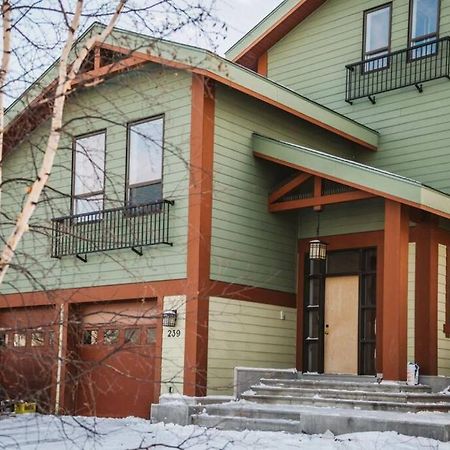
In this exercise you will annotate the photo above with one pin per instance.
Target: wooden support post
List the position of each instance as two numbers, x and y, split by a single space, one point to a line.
317 192
97 58
263 64
426 301
199 236
395 291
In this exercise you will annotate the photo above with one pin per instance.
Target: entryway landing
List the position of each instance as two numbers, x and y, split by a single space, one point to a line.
284 400
351 392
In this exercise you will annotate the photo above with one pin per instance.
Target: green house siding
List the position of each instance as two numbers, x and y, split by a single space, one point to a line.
414 131
354 217
136 95
250 245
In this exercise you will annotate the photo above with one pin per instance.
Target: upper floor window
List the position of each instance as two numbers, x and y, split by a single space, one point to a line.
145 161
377 36
89 173
423 26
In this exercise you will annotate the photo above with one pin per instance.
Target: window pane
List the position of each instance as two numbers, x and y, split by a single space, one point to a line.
376 64
90 337
145 147
370 260
3 339
37 339
369 323
315 290
111 337
89 204
151 335
312 324
144 195
424 17
19 340
89 164
377 29
370 290
424 50
132 336
312 356
343 262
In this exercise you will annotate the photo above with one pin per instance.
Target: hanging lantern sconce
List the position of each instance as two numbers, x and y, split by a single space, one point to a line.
317 250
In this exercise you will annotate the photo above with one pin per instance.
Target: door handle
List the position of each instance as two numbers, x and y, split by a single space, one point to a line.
327 330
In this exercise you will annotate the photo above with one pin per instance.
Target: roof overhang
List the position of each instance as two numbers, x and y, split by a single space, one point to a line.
350 173
208 64
270 30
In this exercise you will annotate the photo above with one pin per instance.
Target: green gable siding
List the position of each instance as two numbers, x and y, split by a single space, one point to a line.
414 130
136 95
354 217
250 245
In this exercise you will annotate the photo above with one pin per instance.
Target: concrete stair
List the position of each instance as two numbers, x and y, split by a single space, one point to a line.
314 404
346 394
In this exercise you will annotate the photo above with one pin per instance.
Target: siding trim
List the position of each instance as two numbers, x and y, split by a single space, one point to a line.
199 235
264 40
251 294
426 297
128 291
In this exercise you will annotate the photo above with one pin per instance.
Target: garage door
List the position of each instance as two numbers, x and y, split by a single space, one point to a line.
28 354
115 364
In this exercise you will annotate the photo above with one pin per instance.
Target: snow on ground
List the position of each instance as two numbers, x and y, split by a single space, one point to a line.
61 433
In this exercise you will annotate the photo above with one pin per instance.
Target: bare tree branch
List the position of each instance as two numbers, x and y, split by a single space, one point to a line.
62 89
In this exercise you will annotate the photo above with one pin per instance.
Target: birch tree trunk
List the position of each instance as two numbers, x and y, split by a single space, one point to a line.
65 79
4 69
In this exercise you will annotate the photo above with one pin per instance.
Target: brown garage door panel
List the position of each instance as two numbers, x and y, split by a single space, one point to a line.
116 359
28 358
116 384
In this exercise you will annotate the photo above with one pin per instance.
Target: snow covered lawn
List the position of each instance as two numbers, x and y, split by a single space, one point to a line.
59 433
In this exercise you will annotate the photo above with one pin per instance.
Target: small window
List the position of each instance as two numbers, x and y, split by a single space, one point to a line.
19 339
89 173
111 337
90 337
132 336
51 338
151 335
37 339
377 37
145 155
423 26
3 339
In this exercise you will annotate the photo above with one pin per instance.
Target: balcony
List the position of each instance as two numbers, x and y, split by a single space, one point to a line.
132 227
412 66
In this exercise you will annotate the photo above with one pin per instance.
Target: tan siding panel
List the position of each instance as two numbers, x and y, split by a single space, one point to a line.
247 334
443 342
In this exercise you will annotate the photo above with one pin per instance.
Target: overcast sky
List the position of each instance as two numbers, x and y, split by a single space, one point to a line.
241 16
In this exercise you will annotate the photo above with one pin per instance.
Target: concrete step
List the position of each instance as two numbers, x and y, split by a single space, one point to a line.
336 377
345 403
312 420
369 395
245 423
255 411
385 386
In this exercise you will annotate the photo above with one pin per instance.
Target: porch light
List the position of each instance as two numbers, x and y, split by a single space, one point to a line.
169 318
317 250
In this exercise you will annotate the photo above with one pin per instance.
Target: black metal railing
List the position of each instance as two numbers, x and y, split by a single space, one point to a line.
131 227
408 67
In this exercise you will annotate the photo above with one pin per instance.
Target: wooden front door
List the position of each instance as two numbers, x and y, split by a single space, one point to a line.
340 293
341 325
